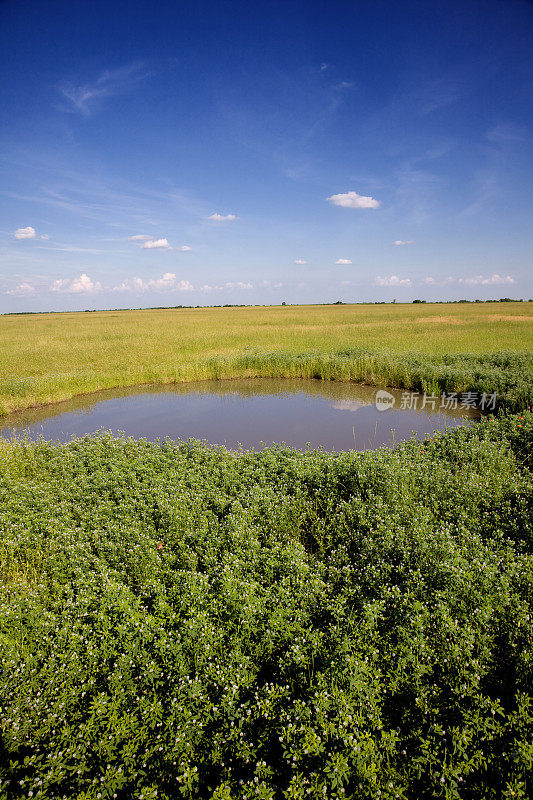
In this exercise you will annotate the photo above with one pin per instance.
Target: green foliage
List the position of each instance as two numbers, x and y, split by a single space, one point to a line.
181 621
508 374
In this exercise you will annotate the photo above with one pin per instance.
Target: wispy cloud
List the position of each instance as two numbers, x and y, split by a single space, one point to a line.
343 261
153 244
67 248
184 248
439 93
489 184
504 133
400 242
222 217
300 261
25 233
80 285
393 280
352 200
140 237
84 98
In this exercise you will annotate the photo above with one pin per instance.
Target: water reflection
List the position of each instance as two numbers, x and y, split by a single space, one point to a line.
247 413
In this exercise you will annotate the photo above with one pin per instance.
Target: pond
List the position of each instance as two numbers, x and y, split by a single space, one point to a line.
250 413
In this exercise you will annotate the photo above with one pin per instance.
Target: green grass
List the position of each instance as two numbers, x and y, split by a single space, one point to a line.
46 358
181 621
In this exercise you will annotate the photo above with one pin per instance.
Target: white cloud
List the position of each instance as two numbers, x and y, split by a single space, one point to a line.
229 285
238 285
155 243
44 236
184 286
151 244
393 280
23 289
343 261
167 281
25 233
493 280
430 281
352 200
185 248
300 261
83 284
400 242
222 217
277 285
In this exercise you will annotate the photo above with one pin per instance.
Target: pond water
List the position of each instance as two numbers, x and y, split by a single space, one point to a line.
250 413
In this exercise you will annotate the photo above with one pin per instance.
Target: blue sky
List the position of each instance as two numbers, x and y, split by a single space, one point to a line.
201 153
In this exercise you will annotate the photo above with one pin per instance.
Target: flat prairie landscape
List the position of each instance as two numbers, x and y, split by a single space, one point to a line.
259 539
50 357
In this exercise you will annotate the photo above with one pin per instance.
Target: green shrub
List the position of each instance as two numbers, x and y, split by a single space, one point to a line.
182 621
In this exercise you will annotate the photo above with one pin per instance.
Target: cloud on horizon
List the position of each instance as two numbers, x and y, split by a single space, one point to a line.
23 289
393 280
167 281
80 285
229 285
493 280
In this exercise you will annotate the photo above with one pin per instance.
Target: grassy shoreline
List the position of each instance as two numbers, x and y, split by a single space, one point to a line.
51 358
508 374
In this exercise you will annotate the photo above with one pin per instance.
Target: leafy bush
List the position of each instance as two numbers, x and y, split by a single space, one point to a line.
181 621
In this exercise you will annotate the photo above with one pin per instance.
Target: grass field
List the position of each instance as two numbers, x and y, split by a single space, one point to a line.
53 357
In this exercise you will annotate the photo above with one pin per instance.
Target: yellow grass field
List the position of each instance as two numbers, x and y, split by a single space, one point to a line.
51 357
